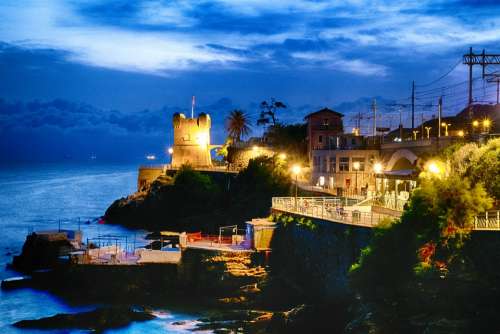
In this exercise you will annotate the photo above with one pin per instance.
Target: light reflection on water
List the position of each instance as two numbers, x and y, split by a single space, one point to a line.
41 197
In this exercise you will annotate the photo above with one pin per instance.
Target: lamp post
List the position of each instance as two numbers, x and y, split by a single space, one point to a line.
170 151
475 124
296 171
445 126
377 169
428 129
486 125
356 166
415 132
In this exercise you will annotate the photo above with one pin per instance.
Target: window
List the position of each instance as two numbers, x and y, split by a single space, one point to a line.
333 164
344 164
316 164
332 142
353 141
320 139
325 122
361 162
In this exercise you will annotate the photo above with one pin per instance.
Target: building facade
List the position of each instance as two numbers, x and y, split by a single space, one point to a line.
191 141
344 171
323 127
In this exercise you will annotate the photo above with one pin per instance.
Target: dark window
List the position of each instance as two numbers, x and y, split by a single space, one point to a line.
344 164
333 164
320 139
353 141
324 165
316 163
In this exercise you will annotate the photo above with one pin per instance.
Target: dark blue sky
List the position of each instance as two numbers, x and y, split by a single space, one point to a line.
135 55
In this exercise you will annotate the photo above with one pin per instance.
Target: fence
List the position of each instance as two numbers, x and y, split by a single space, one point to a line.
489 221
333 209
328 208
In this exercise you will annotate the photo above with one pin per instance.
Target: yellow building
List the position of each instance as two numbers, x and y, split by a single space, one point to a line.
191 141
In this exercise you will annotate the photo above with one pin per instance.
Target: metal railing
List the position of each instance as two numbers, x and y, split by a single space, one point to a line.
328 208
489 221
335 209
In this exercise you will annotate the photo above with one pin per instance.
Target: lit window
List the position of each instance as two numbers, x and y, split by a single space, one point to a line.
344 164
360 161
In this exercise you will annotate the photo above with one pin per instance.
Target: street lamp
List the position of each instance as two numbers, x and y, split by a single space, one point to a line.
433 168
486 125
356 166
170 150
282 156
428 129
445 126
415 132
377 169
296 171
461 133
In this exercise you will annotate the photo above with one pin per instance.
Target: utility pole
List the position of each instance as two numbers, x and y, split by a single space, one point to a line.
483 59
422 125
413 105
440 110
400 123
374 108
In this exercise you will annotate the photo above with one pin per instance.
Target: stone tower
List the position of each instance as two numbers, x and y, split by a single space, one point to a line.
191 141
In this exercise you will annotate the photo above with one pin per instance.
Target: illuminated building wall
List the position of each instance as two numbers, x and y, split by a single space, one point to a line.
191 141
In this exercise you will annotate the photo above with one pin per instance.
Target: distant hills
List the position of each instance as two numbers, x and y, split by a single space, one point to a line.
52 130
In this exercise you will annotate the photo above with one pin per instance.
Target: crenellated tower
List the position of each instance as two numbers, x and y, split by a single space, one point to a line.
191 141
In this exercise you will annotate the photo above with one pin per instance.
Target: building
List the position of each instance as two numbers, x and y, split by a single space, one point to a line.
344 171
191 141
323 127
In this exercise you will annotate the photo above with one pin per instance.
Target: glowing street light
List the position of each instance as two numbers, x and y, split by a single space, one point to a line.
445 126
415 132
282 156
486 125
428 129
433 168
356 165
170 150
377 168
475 124
460 133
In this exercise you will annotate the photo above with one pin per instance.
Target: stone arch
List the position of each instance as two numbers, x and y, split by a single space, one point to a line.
398 156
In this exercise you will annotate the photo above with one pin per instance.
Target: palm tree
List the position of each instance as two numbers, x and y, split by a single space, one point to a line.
238 124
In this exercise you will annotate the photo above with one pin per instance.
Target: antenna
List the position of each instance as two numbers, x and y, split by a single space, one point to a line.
192 107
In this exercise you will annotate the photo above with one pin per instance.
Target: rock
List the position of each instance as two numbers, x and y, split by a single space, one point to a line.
97 320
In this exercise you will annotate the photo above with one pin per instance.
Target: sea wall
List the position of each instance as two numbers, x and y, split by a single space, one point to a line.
147 174
315 258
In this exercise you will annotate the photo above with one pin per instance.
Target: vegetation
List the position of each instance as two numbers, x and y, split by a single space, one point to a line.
238 125
194 201
429 264
290 138
268 111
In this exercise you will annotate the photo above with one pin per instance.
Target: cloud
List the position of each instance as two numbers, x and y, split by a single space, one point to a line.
165 37
335 62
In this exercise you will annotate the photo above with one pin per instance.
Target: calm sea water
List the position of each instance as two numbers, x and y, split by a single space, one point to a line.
45 196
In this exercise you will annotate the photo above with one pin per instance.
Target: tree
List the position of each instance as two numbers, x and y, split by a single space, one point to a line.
429 259
238 125
269 109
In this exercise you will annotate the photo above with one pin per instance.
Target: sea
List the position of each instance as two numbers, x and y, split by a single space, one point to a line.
68 196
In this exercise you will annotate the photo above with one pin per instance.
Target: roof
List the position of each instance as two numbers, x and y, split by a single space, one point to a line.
324 110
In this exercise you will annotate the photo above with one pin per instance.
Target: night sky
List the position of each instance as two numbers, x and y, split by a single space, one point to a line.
103 77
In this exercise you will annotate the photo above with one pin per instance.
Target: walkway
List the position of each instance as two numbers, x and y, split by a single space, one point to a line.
334 209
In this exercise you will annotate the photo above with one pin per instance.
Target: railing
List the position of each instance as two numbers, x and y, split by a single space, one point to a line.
328 208
489 221
334 209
